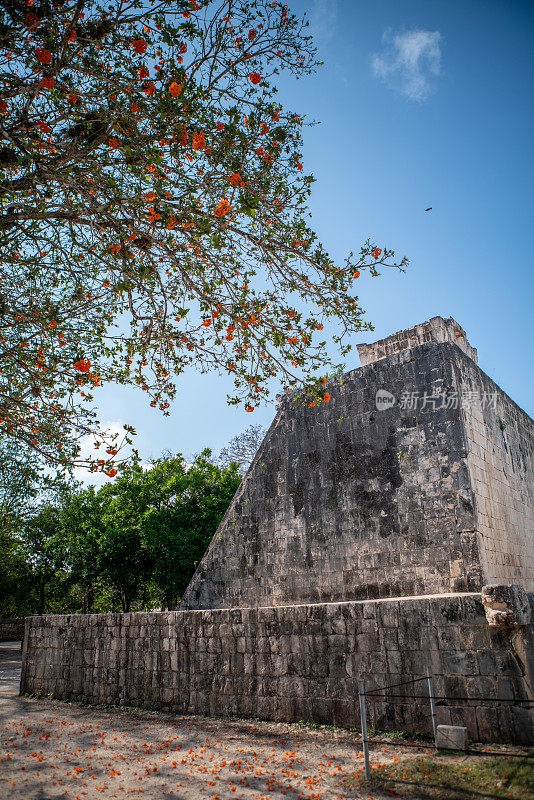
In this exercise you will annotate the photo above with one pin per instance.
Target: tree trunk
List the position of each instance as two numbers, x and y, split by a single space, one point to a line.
170 602
88 600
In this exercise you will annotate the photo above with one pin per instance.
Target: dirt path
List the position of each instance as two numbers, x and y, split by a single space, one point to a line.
50 749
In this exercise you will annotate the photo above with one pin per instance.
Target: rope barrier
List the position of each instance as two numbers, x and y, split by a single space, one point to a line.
394 685
444 698
427 745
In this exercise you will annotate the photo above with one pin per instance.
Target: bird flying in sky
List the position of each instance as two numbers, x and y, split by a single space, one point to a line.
428 209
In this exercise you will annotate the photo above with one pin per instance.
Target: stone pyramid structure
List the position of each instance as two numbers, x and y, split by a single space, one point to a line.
417 478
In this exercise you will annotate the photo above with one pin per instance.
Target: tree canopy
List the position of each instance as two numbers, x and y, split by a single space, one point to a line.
154 212
134 543
24 487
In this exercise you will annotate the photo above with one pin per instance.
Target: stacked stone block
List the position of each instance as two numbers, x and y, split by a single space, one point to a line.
500 462
347 500
436 329
291 663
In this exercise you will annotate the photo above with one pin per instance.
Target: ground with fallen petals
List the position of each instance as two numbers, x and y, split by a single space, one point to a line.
50 749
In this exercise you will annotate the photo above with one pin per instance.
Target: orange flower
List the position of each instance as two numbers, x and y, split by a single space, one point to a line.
254 77
140 46
143 73
326 398
223 208
249 408
150 196
44 56
234 179
149 88
175 89
47 83
110 474
220 126
356 274
114 142
72 99
199 141
206 323
376 252
83 365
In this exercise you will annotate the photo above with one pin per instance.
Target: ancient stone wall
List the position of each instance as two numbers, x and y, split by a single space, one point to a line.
429 492
292 663
11 629
346 502
500 460
436 329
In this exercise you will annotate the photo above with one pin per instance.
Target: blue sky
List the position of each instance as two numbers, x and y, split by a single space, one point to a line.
421 104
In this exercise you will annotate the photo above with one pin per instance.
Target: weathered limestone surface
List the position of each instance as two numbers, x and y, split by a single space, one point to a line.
346 502
500 461
451 737
292 663
436 329
506 605
11 629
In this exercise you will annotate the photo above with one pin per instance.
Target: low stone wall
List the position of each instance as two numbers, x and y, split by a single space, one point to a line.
12 630
291 663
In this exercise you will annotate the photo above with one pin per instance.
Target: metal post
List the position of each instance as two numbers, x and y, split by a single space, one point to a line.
365 740
432 701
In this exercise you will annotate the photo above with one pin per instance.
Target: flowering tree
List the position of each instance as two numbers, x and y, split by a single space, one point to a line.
153 212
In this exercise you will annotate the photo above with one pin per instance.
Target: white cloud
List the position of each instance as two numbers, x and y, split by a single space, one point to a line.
409 62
